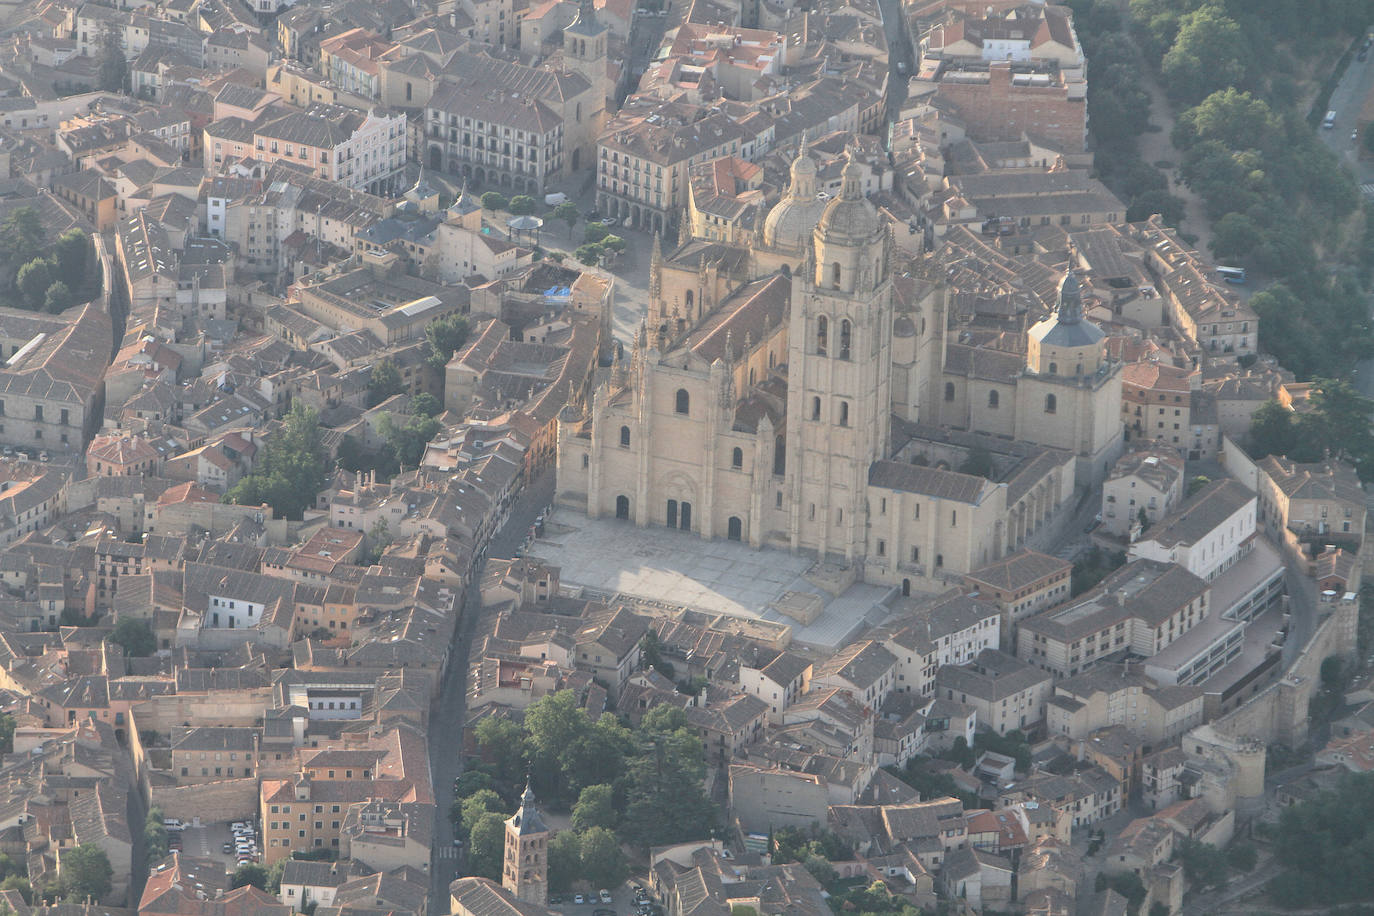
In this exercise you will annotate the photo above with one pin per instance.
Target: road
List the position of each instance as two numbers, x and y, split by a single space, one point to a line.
448 712
901 61
1347 101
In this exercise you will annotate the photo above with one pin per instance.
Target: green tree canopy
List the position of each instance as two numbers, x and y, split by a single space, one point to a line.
114 69
603 863
486 846
34 279
444 336
58 298
425 404
522 205
565 860
135 636
250 873
483 801
595 808
567 212
1210 52
291 470
493 200
408 438
86 872
384 381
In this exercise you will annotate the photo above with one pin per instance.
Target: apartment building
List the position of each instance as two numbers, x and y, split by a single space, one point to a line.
366 152
1122 694
496 136
644 160
1322 499
1007 693
1148 481
1141 608
1020 584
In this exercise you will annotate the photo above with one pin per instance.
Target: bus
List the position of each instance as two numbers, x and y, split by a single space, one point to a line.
1232 274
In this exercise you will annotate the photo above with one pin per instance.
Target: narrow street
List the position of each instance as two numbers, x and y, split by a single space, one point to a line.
449 710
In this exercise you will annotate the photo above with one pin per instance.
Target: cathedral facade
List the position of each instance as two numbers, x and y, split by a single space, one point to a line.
785 396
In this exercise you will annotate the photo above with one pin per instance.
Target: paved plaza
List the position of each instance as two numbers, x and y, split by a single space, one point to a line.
715 577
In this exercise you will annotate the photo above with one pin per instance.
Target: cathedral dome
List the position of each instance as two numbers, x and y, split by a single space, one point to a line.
1068 328
850 218
792 220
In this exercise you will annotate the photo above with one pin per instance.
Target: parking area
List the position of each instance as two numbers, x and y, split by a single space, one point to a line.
622 903
216 842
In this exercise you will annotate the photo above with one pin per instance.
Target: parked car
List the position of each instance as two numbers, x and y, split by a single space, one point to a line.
609 221
172 823
228 847
579 899
605 895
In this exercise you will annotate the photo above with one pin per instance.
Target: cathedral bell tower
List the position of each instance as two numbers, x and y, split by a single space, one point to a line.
585 52
839 374
525 869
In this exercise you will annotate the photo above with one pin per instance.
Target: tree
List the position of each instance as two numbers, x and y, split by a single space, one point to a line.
85 872
7 725
603 862
250 873
384 382
666 801
594 233
135 636
425 404
479 803
1197 483
1271 430
595 808
493 201
21 236
445 335
408 439
58 298
1209 53
565 860
613 243
1203 864
471 781
34 279
155 834
114 69
73 251
567 212
292 468
522 205
18 883
486 846
274 877
1242 856
503 745
589 255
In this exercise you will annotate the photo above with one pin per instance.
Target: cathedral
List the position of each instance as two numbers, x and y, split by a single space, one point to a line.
794 393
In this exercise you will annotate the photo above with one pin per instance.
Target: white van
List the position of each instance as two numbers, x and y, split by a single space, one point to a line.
1330 120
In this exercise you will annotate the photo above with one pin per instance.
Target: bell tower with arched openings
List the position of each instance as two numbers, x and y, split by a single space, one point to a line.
839 375
585 52
525 869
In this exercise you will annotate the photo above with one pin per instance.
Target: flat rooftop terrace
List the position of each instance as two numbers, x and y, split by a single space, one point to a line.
677 568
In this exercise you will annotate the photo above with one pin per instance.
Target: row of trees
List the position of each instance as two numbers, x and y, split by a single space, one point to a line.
1277 198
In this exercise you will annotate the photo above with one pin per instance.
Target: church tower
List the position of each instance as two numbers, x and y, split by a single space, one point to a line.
525 872
839 375
585 53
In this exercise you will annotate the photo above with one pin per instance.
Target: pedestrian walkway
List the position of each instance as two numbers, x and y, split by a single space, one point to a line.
447 852
1367 190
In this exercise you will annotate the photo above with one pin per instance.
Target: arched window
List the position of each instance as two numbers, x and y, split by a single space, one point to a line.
815 408
683 401
1051 403
622 507
844 413
770 359
779 456
737 458
992 399
844 339
1054 368
624 437
835 275
689 302
949 391
586 460
1079 370
751 375
822 331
